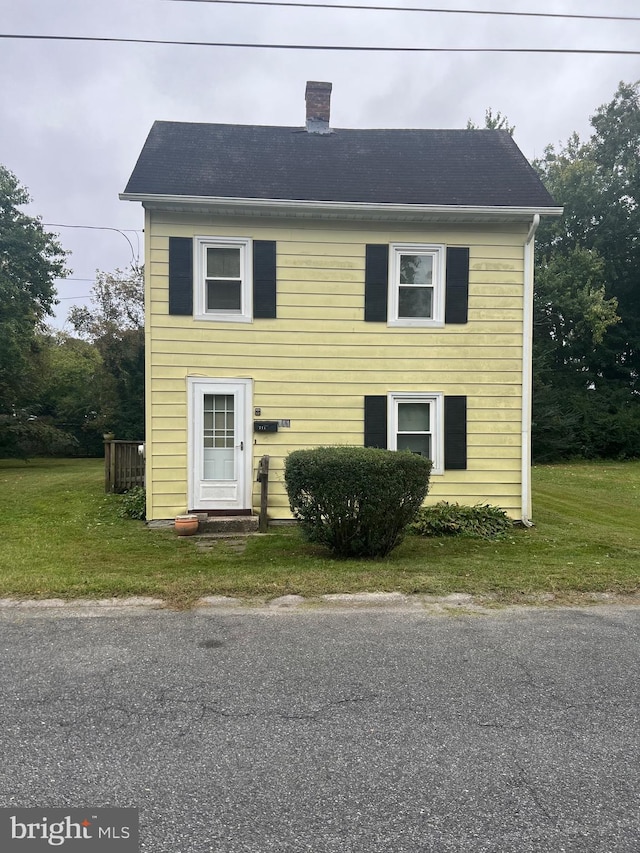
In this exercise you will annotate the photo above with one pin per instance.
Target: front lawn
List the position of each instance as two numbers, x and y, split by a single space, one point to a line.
62 537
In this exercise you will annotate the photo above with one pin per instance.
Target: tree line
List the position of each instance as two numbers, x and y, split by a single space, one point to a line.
587 296
60 392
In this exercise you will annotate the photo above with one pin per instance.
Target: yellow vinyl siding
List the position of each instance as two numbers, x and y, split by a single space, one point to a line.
315 363
488 328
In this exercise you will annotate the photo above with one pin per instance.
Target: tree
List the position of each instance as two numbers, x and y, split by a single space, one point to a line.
73 390
493 122
31 259
586 308
117 305
115 325
572 313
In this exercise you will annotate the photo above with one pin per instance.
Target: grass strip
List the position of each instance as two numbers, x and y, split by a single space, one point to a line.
62 537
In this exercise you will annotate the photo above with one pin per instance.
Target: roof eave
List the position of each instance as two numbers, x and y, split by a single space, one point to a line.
339 210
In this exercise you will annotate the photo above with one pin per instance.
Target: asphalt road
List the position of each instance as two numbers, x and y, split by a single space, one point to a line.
371 730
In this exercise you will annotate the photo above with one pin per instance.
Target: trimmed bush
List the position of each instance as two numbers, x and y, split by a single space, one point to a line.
356 500
134 503
445 519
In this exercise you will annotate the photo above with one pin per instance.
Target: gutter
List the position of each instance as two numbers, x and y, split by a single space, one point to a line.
527 369
333 209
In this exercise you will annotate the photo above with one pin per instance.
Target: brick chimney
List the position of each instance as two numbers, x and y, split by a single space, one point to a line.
318 98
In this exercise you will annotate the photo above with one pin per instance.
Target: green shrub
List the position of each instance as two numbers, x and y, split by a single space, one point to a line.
134 503
445 519
356 500
23 436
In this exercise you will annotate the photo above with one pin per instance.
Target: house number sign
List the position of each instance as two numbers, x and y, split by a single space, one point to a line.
265 426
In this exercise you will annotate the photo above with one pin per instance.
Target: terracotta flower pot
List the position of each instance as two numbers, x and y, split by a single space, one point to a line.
186 525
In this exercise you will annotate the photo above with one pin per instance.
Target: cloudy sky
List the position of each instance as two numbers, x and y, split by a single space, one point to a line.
74 115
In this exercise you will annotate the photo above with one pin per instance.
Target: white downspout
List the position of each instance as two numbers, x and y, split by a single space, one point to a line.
527 365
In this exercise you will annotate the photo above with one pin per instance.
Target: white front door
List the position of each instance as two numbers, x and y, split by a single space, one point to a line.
219 444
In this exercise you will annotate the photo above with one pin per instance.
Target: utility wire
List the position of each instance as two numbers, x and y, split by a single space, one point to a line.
135 258
329 47
417 9
94 227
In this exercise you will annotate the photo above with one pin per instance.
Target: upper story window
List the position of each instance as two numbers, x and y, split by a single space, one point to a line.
223 279
416 291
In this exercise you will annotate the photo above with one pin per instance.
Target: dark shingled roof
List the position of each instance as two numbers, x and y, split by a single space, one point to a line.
433 167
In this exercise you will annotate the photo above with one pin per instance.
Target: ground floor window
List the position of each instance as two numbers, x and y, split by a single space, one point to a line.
416 424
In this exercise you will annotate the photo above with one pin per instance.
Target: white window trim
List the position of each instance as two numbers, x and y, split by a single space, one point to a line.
437 421
438 253
200 246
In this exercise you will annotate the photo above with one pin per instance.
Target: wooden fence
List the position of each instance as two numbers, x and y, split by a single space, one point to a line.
123 465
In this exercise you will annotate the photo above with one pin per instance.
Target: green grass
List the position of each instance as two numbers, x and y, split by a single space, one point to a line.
62 537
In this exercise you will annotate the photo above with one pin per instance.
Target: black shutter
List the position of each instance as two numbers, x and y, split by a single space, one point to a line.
457 293
375 422
264 279
455 433
180 276
376 281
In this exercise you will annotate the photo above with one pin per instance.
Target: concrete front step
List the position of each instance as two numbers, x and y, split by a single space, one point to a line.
224 525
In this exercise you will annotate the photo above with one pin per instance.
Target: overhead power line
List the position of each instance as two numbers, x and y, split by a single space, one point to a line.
418 9
94 227
134 257
330 47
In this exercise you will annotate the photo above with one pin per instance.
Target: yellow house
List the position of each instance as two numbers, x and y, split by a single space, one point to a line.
308 286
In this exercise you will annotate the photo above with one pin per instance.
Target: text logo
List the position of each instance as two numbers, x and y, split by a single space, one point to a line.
103 830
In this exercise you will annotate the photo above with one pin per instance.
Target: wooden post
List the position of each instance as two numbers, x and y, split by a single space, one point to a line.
107 466
112 466
263 479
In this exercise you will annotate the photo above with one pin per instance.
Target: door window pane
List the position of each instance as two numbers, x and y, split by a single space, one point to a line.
219 464
219 437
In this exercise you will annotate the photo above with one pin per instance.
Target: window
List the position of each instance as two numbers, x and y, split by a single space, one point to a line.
218 413
416 292
416 424
223 279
